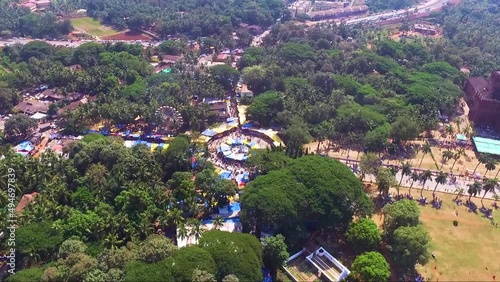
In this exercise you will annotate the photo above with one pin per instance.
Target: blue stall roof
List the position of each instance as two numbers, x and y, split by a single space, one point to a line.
485 145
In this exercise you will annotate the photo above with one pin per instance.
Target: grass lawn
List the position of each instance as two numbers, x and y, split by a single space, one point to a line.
92 27
468 252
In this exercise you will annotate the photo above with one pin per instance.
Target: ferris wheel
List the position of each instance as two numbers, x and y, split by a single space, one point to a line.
171 120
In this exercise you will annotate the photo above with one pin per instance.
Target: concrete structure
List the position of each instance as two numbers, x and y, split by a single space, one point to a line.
425 29
483 99
327 266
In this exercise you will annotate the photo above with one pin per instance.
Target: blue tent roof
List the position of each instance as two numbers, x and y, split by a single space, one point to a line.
209 132
247 125
225 175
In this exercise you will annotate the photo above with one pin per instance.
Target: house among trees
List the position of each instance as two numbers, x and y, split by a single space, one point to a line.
425 29
483 99
30 107
25 200
218 106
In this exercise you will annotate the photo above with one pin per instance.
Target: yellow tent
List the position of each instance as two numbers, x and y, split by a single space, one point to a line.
153 147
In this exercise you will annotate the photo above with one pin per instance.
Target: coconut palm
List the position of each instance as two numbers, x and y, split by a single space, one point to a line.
182 231
414 177
490 165
195 229
426 149
446 156
460 192
440 179
449 130
405 170
481 159
218 222
426 175
458 154
474 188
489 185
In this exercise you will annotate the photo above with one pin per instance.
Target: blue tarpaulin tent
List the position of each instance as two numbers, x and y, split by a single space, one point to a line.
225 175
247 125
209 132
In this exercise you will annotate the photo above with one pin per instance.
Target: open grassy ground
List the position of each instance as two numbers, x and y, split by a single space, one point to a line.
468 252
92 27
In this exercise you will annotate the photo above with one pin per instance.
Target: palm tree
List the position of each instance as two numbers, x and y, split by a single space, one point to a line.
112 241
496 175
218 222
456 156
426 149
481 159
449 130
182 231
489 185
414 177
446 156
440 179
474 188
460 192
426 175
490 165
405 170
195 229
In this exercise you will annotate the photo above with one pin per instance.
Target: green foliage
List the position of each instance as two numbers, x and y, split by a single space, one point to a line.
18 127
38 239
363 235
371 266
154 272
404 213
296 52
404 129
30 274
8 98
235 253
410 246
385 180
376 140
171 47
266 161
265 107
310 190
275 253
188 259
155 248
70 247
225 75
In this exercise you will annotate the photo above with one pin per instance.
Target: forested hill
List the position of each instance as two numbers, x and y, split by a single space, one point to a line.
192 17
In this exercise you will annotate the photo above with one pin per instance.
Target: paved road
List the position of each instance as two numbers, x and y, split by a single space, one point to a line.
430 184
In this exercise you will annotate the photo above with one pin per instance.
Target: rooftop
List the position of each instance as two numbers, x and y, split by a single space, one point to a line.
33 106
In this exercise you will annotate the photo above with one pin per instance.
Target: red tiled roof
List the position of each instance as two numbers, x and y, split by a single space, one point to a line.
25 200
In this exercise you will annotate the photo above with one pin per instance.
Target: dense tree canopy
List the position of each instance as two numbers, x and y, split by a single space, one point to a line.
363 235
371 266
308 194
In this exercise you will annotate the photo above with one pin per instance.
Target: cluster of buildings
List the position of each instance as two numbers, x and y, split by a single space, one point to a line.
36 104
338 13
35 6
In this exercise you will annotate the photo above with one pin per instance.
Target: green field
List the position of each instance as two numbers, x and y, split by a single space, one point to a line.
92 27
468 252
